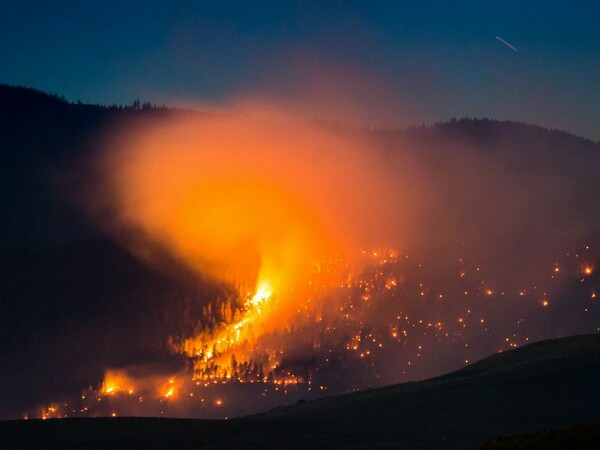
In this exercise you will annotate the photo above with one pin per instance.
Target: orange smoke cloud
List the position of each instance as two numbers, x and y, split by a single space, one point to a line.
253 193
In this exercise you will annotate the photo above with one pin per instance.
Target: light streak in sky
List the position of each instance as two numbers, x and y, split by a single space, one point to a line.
506 43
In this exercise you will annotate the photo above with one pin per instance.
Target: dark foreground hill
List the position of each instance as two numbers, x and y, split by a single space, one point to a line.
550 384
583 436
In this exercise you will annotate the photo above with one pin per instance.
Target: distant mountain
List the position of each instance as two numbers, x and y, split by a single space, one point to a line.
44 139
550 384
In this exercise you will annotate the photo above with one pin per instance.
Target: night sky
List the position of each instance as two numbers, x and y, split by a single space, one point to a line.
441 58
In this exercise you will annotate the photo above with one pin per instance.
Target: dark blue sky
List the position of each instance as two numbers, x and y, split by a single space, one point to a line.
428 60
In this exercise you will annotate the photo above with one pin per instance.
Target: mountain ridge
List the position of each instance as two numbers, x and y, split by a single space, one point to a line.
11 95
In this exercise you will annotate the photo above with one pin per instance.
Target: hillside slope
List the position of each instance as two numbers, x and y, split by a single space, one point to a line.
549 384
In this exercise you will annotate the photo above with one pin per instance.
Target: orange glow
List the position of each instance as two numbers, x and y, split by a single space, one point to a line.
51 411
117 381
169 388
588 270
391 283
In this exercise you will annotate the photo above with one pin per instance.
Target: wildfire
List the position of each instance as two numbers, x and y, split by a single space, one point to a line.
116 382
277 209
49 412
219 345
252 347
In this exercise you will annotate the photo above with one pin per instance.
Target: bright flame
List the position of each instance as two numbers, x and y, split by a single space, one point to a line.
117 381
219 347
169 388
263 294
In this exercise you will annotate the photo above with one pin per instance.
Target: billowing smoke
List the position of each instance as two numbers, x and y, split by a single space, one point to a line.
253 193
258 191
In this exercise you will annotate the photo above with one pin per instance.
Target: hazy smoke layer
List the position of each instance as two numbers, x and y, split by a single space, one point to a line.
259 192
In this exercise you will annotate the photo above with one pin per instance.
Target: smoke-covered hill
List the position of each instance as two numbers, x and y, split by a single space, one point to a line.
512 199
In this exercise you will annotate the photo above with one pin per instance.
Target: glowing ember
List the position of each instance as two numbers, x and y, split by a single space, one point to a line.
117 382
